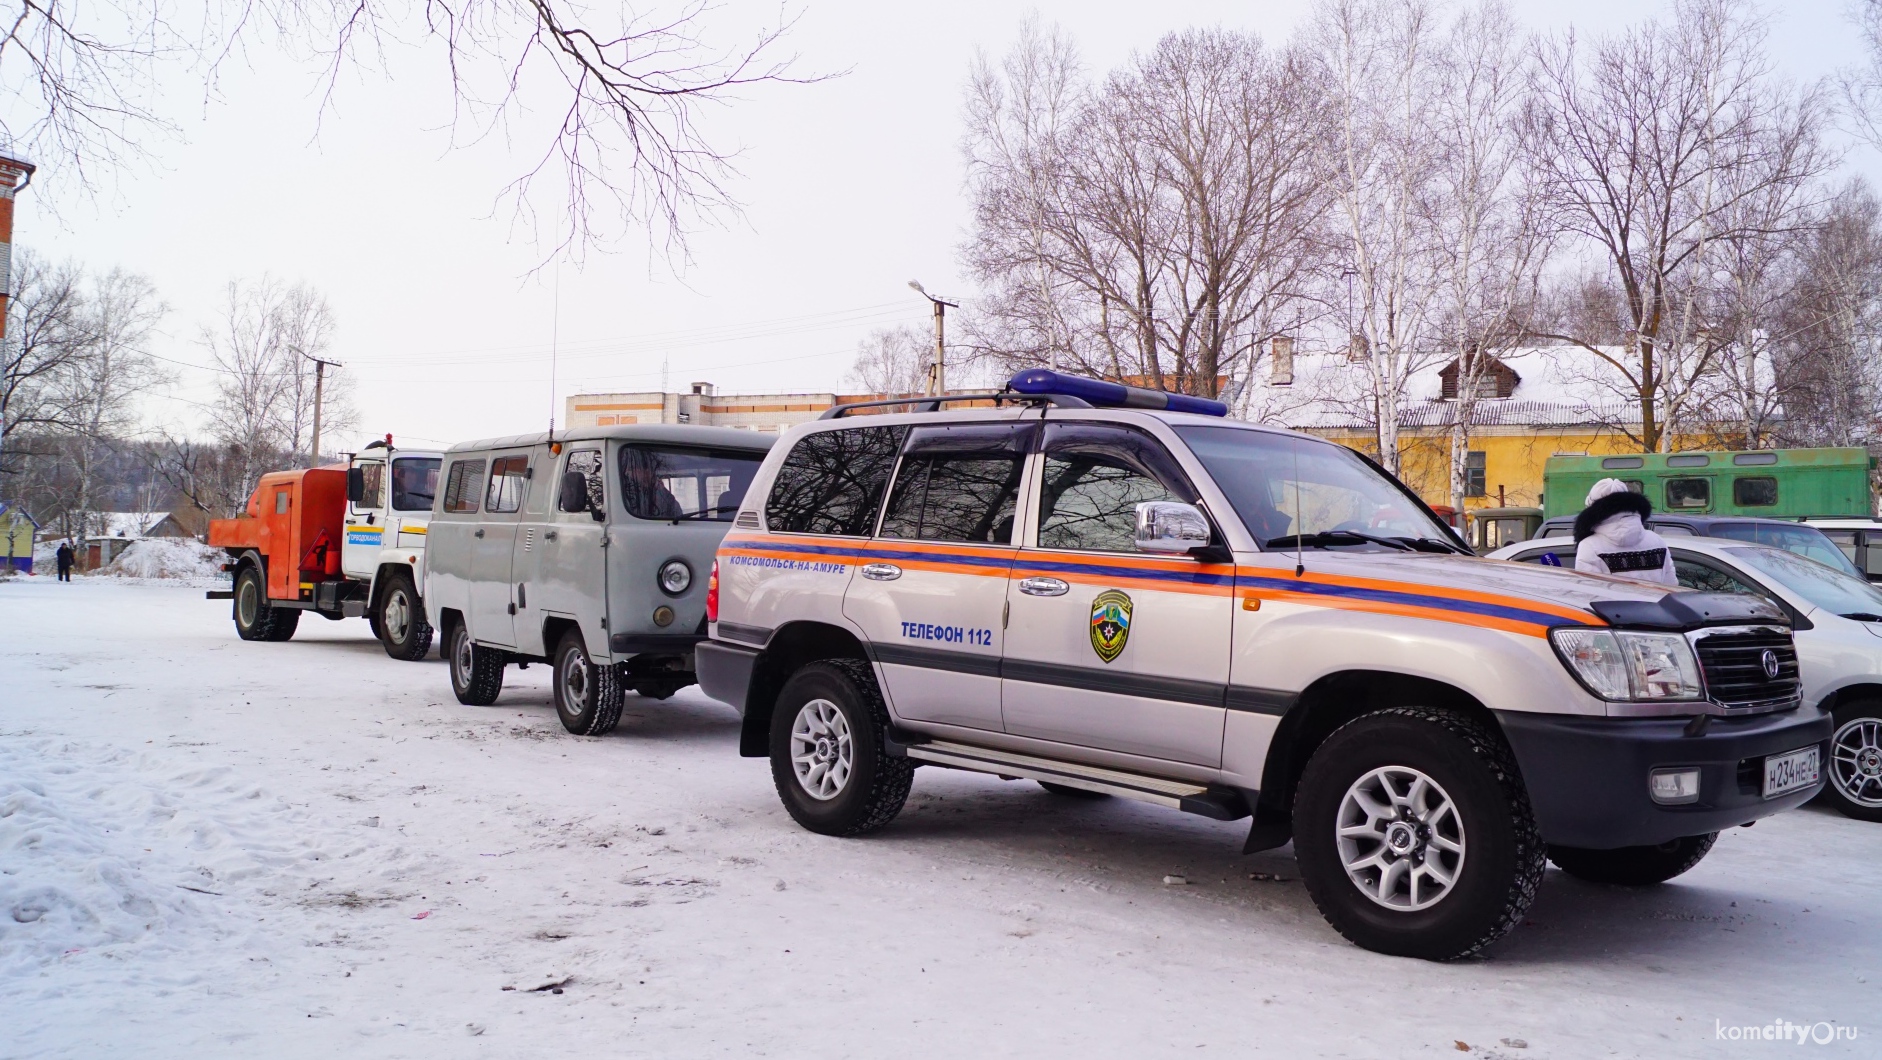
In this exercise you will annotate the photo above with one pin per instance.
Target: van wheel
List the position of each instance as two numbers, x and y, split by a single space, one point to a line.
827 756
1633 866
1855 766
587 693
400 620
476 671
1415 835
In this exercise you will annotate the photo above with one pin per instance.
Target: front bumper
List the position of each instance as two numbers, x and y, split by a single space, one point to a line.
1587 777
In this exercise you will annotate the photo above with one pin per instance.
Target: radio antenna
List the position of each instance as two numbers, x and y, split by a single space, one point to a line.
555 335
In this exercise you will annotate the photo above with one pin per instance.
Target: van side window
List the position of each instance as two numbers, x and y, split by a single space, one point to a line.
373 496
508 480
1095 476
958 483
1688 493
586 462
461 486
832 482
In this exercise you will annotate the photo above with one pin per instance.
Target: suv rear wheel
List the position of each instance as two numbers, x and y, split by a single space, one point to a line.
827 755
476 671
1414 834
1855 766
1633 866
587 693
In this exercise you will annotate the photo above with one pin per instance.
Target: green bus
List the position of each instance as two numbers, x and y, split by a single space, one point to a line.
1778 483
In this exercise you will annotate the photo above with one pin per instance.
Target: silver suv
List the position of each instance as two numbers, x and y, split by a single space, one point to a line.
1116 592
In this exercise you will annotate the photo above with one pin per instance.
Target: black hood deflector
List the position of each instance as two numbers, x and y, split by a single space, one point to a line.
1683 611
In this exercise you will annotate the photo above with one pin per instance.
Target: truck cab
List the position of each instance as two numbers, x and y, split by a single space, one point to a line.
389 495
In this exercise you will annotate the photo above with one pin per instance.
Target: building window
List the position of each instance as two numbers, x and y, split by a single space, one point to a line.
1475 473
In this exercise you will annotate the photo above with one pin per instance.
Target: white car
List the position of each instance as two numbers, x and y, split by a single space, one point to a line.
1859 538
1837 622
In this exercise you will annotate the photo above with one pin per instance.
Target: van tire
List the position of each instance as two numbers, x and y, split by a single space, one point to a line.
587 693
876 784
1633 866
476 671
1503 853
411 640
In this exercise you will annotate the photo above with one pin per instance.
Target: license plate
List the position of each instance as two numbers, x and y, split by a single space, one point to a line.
1790 771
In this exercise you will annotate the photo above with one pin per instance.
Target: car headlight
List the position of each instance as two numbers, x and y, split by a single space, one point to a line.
675 576
1628 665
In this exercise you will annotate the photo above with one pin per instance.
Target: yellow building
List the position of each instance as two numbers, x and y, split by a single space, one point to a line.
16 538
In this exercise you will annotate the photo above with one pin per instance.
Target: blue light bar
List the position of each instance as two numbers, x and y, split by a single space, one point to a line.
1110 395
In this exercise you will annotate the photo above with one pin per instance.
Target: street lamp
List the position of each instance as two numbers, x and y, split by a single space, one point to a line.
937 372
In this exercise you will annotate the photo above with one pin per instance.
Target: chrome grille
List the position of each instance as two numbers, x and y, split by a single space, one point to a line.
1735 672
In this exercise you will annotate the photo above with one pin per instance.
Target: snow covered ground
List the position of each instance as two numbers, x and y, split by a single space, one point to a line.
214 848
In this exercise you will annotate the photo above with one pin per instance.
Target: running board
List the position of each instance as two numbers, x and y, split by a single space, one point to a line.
1222 804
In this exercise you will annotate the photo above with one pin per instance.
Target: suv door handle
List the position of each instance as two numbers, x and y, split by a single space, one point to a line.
881 572
479 533
1043 587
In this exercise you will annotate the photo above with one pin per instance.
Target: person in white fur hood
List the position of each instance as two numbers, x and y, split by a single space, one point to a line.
1611 536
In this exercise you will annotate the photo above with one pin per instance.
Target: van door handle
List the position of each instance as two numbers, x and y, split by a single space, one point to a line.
479 533
881 572
1043 587
548 535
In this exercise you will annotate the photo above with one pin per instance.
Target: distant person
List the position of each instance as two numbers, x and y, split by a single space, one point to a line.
1611 536
64 559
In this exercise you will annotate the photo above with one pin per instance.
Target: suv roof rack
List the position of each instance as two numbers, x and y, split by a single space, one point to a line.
1045 386
925 403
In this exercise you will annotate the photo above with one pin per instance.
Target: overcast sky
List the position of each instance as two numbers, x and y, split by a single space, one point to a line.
851 187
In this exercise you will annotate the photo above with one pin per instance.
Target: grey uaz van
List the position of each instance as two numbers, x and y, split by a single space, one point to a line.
589 551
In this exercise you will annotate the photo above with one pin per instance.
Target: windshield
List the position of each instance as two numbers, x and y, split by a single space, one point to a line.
1832 590
1806 541
414 483
1290 490
676 482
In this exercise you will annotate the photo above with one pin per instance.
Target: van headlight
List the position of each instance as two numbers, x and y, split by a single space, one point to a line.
1627 665
675 577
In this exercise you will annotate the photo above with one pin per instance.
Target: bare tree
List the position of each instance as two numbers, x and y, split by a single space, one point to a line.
45 334
100 385
892 361
1827 340
1648 145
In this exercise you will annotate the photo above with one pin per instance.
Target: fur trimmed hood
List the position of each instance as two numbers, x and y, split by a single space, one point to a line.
1607 507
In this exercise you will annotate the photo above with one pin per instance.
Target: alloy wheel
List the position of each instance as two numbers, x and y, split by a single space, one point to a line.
821 752
1856 761
1400 838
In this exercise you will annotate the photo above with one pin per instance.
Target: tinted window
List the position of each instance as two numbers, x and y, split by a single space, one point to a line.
509 479
1688 493
1754 492
1095 476
586 462
958 483
832 482
1709 579
678 482
373 495
414 483
461 486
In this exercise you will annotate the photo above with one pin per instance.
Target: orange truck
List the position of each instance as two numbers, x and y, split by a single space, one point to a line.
343 541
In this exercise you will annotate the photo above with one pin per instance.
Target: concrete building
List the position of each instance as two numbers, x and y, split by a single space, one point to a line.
703 405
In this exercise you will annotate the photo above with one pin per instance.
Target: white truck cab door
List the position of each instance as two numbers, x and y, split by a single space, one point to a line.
930 589
365 521
492 596
1107 647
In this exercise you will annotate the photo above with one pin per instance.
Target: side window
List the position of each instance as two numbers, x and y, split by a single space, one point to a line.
1563 557
414 483
1688 493
1754 492
461 486
1709 579
1095 476
374 495
281 501
958 483
588 463
1872 554
509 479
1844 540
832 482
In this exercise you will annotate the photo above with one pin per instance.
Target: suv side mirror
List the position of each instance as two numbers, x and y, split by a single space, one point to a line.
574 496
1166 526
355 484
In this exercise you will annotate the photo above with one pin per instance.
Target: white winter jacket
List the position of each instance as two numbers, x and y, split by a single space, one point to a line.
1622 545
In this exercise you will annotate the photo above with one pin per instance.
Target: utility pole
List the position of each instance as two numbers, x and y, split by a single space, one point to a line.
320 383
937 371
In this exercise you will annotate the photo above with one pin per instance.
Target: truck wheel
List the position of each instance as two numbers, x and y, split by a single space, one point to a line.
827 754
1633 866
587 694
476 671
1855 766
286 621
400 620
254 619
1415 836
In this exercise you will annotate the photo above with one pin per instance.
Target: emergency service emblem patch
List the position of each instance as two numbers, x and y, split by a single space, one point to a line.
1110 624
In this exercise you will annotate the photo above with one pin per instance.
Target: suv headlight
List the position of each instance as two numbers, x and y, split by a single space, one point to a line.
1626 665
675 576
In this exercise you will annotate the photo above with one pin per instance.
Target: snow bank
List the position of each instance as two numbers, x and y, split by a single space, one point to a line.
167 557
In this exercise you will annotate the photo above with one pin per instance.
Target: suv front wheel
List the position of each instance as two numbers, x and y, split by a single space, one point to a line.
827 754
1415 836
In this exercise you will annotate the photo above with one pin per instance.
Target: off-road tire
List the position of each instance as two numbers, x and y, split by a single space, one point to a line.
1503 850
255 618
1633 866
476 671
878 782
416 640
1847 715
1072 793
286 621
593 705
